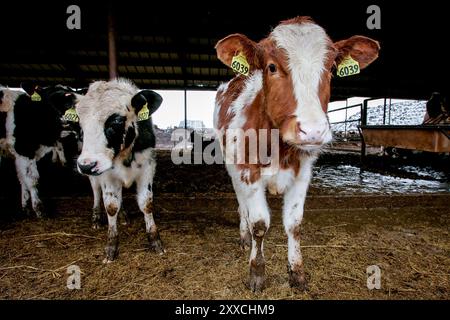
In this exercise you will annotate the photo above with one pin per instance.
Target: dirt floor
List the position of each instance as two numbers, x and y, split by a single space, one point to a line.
204 261
406 236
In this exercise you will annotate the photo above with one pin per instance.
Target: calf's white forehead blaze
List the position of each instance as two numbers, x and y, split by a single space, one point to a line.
105 98
306 46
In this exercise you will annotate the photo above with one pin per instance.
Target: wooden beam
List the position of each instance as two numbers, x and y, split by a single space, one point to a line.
112 51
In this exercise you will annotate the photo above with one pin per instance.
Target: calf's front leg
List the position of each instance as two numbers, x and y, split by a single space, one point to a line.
96 210
28 175
97 219
294 200
258 223
145 202
245 240
112 198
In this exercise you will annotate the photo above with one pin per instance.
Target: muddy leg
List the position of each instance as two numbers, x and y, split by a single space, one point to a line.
244 231
245 241
145 202
25 199
124 216
112 198
294 200
29 177
58 154
257 262
96 209
259 221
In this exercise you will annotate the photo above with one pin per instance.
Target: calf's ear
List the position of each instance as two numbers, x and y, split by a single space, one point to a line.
235 44
62 99
81 91
150 97
30 87
360 48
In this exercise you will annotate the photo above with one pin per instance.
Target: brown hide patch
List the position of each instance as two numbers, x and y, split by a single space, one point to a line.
289 157
148 206
280 101
226 98
250 173
296 232
256 119
325 80
111 209
324 90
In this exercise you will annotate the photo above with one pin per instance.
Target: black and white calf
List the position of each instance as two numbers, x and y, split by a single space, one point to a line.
31 126
118 150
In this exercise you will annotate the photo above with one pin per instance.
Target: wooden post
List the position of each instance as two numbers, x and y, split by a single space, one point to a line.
185 116
363 123
185 108
112 51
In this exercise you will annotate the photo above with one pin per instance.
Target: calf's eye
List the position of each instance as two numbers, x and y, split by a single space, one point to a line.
110 131
272 68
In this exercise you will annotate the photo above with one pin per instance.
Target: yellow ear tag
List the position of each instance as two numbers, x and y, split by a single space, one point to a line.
240 65
36 97
144 114
348 67
71 115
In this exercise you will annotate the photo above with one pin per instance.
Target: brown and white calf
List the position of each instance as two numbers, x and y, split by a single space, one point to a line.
287 89
118 150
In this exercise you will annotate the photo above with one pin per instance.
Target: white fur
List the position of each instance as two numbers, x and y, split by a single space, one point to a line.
102 100
28 175
7 105
294 201
307 45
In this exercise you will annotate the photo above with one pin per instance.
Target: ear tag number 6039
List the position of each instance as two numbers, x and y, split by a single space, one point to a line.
348 67
240 65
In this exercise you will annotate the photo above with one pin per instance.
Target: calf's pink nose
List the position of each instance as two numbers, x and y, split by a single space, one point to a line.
315 134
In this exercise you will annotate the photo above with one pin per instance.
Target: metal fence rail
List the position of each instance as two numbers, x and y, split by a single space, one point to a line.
345 135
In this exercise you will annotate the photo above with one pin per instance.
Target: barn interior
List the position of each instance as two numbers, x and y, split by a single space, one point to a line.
392 212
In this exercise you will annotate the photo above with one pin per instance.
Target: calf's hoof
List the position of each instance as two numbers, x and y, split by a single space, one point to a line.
111 250
297 278
257 277
40 213
155 243
28 212
257 282
96 225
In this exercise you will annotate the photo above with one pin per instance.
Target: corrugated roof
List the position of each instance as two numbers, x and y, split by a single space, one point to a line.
171 45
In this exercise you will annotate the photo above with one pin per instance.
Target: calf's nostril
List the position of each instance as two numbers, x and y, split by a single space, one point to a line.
86 167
